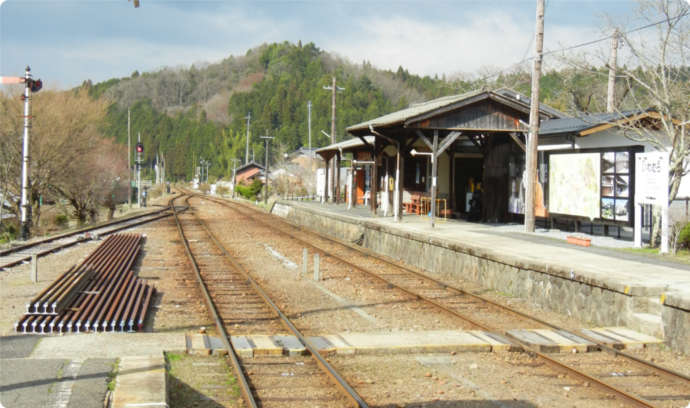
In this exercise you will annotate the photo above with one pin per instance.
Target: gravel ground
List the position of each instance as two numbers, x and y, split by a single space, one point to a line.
346 301
342 301
465 379
16 288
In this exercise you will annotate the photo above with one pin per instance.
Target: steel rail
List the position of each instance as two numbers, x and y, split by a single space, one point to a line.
225 337
659 369
352 395
156 216
349 392
551 361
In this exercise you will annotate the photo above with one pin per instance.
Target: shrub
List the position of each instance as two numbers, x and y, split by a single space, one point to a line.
61 220
8 232
156 191
204 188
222 190
250 192
684 236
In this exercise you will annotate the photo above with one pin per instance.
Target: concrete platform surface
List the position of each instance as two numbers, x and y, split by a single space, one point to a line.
107 345
30 383
605 267
423 342
141 382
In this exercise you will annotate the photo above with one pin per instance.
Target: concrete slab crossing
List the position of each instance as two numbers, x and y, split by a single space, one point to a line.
434 341
141 383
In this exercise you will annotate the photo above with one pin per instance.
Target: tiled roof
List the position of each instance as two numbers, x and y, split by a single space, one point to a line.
581 122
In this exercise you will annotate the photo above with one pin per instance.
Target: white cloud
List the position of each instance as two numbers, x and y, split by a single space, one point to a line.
428 48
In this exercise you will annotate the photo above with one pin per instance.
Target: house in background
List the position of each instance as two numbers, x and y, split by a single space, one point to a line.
246 174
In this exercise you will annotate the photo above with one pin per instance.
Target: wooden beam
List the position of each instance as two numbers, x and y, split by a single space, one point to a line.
365 142
452 137
426 139
517 141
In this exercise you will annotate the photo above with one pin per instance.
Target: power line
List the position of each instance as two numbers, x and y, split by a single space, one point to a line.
588 43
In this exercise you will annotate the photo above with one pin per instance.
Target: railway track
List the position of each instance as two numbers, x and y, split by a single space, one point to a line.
15 255
624 376
240 306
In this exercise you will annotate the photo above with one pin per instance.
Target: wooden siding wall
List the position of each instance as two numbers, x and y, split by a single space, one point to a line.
485 115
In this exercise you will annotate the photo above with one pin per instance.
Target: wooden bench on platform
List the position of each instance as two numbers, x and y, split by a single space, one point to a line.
414 206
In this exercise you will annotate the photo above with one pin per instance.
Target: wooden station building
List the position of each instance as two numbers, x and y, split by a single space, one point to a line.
464 156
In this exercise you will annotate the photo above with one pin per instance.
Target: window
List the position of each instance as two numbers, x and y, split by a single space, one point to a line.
415 174
615 186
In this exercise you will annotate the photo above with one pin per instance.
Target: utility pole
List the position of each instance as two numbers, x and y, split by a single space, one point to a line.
25 204
129 159
533 137
246 156
139 151
234 175
309 123
611 94
333 88
266 138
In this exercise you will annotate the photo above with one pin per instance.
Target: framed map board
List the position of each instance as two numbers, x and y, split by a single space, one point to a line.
574 184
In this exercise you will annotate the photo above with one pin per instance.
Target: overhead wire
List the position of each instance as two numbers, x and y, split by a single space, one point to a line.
584 44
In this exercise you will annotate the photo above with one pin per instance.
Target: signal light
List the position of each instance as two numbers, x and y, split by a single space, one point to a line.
140 148
35 85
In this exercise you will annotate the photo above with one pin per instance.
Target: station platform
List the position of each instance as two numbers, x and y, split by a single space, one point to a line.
602 284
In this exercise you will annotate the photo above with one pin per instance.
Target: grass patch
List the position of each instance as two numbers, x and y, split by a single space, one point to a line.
682 256
201 381
112 375
173 357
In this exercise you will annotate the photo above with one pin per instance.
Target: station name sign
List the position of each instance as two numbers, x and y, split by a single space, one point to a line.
651 175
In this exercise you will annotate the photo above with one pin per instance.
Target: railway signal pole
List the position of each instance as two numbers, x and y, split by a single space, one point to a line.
129 159
267 139
25 205
140 150
30 86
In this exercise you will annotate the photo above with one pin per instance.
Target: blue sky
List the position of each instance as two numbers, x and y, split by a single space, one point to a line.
66 42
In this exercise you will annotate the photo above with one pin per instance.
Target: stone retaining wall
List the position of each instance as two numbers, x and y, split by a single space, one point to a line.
551 288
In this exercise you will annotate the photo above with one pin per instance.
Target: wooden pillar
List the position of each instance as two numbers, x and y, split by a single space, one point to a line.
373 182
352 191
385 197
434 172
327 192
337 178
397 200
451 199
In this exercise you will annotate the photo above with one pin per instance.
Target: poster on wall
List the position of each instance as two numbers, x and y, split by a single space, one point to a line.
574 184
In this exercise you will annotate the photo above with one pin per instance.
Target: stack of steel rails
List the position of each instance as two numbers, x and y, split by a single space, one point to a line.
101 293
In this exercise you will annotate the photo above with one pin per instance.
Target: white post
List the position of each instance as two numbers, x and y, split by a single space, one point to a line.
638 226
305 260
396 197
34 268
664 229
349 188
386 199
317 272
25 204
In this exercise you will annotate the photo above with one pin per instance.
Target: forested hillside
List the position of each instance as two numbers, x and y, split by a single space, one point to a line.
187 113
